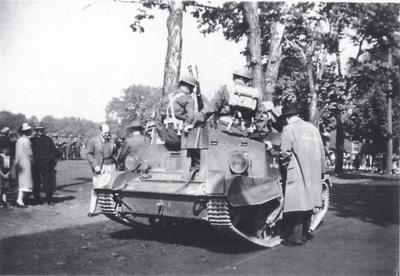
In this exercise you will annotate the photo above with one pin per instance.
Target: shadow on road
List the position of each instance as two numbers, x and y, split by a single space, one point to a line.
378 204
81 180
56 199
366 175
193 234
49 252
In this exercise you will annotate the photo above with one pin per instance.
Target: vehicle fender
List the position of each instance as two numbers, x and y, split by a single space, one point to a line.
243 190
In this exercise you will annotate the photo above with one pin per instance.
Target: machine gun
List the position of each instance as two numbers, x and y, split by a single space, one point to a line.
199 98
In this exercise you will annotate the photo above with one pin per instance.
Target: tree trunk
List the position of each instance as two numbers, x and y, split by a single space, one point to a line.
313 109
253 48
389 120
274 60
174 50
339 143
275 53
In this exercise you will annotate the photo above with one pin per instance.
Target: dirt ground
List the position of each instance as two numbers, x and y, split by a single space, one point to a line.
360 236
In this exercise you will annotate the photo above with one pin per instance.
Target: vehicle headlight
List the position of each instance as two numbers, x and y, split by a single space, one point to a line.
102 181
238 163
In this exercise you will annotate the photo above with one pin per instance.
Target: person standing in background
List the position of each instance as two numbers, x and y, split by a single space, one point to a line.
44 163
101 157
302 160
23 163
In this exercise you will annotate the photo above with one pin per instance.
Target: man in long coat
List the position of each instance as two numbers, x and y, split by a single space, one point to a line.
302 159
44 163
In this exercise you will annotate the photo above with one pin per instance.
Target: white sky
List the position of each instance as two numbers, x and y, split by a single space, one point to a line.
57 58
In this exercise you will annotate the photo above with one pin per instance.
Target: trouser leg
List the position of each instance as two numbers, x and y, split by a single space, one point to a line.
169 136
306 221
49 183
93 201
93 198
37 181
293 222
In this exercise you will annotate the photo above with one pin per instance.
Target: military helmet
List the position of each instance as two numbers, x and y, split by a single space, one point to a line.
189 79
244 73
135 125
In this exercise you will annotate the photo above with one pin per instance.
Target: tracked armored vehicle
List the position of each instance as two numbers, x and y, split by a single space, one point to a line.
231 182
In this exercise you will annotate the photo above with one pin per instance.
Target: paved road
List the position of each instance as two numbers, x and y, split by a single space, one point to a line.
360 236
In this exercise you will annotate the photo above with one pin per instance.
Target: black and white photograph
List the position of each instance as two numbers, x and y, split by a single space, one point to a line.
179 137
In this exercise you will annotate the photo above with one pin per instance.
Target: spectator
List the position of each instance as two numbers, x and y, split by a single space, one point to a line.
23 162
302 160
5 164
101 157
45 161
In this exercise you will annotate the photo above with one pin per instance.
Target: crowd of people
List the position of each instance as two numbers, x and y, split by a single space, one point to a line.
69 147
364 162
30 158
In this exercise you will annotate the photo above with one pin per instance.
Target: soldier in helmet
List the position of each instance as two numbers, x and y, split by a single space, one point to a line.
177 110
236 106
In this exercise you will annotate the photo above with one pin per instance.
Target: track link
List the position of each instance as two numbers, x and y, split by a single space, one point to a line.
220 219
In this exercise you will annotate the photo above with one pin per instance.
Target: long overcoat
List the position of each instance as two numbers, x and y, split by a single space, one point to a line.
303 153
23 163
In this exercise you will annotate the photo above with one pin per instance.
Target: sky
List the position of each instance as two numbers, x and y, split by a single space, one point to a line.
65 58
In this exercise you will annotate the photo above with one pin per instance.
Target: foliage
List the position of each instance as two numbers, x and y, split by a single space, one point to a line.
64 126
136 102
11 120
375 77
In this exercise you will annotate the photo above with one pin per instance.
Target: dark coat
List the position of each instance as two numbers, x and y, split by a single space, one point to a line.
44 151
302 152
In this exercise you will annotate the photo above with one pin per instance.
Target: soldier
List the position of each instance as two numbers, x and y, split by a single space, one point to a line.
302 160
132 142
237 107
44 163
177 110
101 157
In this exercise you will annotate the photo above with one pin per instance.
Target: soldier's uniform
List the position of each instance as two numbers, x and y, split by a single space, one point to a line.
177 109
236 107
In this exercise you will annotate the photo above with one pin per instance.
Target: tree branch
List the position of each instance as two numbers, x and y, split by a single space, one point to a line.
359 47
